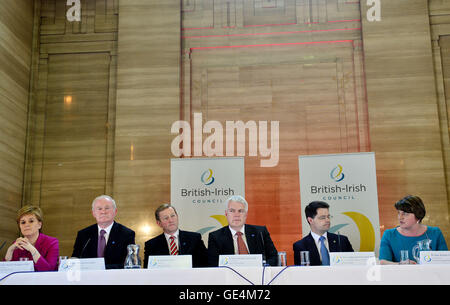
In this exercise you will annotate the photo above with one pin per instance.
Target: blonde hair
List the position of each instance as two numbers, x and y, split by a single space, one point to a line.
30 210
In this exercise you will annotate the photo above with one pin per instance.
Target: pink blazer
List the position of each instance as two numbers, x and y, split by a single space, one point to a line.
48 247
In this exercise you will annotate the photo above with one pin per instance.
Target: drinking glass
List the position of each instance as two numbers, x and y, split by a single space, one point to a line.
61 258
304 258
282 259
404 257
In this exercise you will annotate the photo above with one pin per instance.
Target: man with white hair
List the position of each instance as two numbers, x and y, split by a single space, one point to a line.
106 238
239 237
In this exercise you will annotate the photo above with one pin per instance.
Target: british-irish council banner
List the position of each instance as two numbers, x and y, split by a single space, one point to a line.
199 188
348 183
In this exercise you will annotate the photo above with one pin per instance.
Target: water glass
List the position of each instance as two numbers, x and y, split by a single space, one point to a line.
61 258
404 257
282 259
304 258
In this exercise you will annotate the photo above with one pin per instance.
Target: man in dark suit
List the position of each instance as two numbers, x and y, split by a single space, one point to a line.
239 237
106 238
319 242
174 241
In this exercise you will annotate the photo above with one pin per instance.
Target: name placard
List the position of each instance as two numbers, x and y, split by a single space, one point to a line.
82 264
169 261
16 266
247 260
352 258
434 257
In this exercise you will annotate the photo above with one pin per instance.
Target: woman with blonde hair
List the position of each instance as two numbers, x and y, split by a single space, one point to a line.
43 250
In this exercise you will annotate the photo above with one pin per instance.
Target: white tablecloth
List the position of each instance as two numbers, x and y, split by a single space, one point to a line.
365 275
362 275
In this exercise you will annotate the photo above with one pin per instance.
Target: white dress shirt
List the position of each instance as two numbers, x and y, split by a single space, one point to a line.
235 243
177 240
317 242
107 230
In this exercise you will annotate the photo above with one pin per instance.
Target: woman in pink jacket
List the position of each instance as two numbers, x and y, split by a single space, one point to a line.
42 249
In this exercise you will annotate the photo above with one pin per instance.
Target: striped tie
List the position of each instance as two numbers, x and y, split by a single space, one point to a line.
173 246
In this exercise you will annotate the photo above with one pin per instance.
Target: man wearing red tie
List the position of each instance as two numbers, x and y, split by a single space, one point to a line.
174 241
239 237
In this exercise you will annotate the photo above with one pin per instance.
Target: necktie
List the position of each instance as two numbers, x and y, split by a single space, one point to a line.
324 252
242 249
173 246
101 244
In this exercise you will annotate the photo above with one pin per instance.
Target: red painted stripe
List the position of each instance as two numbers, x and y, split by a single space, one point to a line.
270 44
272 33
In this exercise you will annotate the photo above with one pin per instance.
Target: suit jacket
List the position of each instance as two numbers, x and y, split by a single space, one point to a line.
336 243
116 249
258 241
48 248
189 243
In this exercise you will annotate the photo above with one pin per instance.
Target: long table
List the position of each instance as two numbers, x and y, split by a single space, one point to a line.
292 275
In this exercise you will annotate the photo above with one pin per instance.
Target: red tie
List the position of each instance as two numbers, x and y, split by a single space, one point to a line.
242 249
173 246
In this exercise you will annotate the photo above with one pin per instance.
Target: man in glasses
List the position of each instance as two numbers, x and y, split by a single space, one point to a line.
239 237
320 242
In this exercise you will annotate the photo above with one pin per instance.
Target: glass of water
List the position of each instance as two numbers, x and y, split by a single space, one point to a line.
61 259
404 257
304 258
282 259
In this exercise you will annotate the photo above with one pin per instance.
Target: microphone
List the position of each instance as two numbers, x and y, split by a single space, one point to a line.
82 251
4 243
263 249
339 241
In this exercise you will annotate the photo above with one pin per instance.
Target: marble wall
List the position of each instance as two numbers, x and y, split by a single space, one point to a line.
106 90
16 32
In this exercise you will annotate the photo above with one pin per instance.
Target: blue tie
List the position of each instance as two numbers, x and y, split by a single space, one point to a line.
324 252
